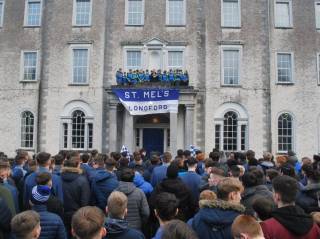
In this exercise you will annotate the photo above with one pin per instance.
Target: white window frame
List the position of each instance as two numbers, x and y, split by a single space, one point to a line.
292 68
127 14
168 15
230 47
290 13
25 21
175 49
133 48
318 67
22 66
293 131
80 47
74 15
2 11
34 130
315 10
222 15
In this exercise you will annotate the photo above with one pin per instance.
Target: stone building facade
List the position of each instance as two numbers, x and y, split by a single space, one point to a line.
253 70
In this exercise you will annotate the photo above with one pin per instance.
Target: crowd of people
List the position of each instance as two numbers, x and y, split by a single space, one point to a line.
137 77
185 196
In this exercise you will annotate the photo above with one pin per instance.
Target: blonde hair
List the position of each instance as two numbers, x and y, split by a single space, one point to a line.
117 204
228 185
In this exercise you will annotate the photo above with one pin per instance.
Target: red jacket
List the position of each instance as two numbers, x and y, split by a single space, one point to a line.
272 229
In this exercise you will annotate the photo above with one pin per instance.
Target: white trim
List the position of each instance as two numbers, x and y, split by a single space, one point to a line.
183 59
2 11
125 56
318 68
71 106
34 130
315 14
74 15
80 47
126 20
290 13
292 129
222 14
25 20
292 68
230 47
22 65
184 14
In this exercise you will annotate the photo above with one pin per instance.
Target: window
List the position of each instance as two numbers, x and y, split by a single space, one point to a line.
133 60
82 11
29 63
283 13
176 12
1 12
317 14
135 12
217 136
175 59
284 68
230 124
27 129
285 132
231 65
33 11
231 13
80 66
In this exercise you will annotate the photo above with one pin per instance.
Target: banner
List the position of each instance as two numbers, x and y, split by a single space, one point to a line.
149 101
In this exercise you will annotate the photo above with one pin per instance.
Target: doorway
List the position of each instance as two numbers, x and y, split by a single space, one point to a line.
153 140
155 60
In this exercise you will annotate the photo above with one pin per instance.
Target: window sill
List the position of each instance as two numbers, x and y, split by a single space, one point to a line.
29 81
130 25
27 26
26 149
284 83
81 26
231 27
231 86
75 84
183 25
284 28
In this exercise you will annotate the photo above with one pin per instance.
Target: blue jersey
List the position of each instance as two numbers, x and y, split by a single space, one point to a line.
171 77
119 78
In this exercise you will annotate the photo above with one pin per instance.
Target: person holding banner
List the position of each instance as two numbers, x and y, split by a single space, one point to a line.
119 77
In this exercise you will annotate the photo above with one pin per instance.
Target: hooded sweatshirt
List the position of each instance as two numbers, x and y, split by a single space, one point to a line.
118 229
290 222
142 184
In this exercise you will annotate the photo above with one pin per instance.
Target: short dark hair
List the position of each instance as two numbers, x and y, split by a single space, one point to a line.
215 156
42 158
85 158
249 179
99 160
73 153
263 207
191 161
272 173
187 153
209 163
180 152
111 163
166 206
58 159
288 169
21 156
72 163
43 178
235 171
287 187
116 156
87 222
24 223
127 175
176 229
250 154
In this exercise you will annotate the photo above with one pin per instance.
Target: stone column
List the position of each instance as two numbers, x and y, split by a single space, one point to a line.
113 128
127 131
173 133
189 119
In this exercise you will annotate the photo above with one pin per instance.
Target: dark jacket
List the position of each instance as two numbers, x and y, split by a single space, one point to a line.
192 180
158 174
149 170
307 197
76 191
6 195
215 218
290 222
5 219
119 229
51 224
251 193
187 204
142 184
138 208
102 185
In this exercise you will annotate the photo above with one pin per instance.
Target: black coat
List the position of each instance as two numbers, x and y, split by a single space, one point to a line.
5 219
308 197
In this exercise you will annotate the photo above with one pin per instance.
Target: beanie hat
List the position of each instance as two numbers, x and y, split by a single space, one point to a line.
40 194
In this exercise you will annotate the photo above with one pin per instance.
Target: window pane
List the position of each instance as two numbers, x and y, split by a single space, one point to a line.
83 12
27 128
135 12
217 137
1 13
65 135
175 59
231 17
318 15
33 13
284 68
243 137
282 14
134 60
78 129
285 136
231 67
80 66
90 136
30 65
230 125
176 12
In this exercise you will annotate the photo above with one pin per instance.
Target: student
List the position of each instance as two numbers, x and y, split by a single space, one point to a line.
18 171
130 77
26 225
119 77
88 223
246 227
147 76
159 173
177 229
116 224
58 162
5 218
263 208
289 221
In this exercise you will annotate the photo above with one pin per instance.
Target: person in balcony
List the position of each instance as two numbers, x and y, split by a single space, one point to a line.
119 77
154 76
185 78
147 76
141 76
177 78
164 78
135 77
171 77
125 79
130 77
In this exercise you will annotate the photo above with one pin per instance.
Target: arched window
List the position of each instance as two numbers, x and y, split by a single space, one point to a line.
285 132
77 127
27 129
230 125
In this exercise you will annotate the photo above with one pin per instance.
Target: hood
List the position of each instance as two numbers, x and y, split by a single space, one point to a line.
115 226
126 187
267 164
175 186
251 191
69 174
102 175
291 216
138 179
219 214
